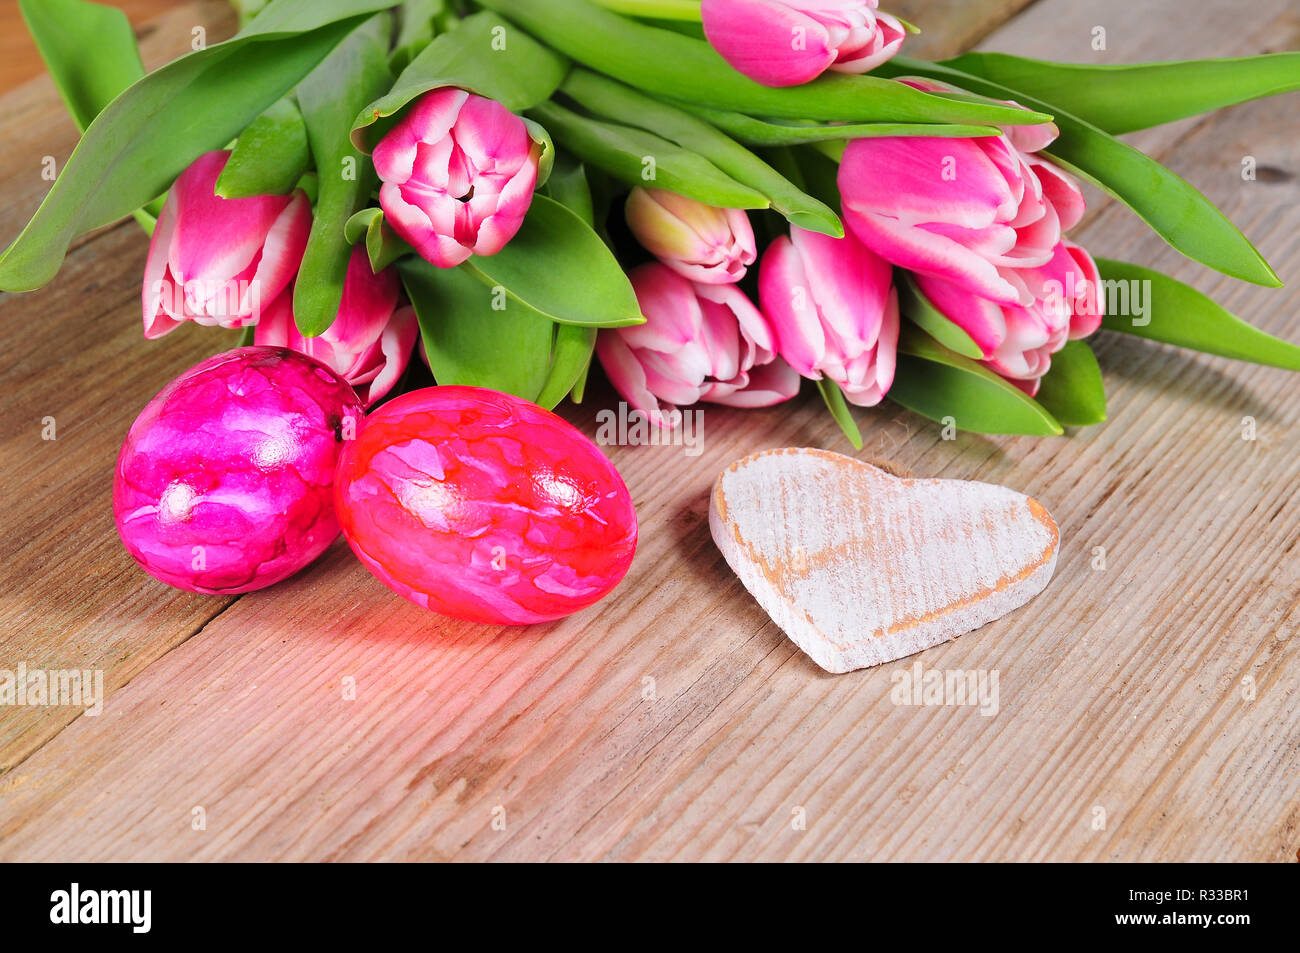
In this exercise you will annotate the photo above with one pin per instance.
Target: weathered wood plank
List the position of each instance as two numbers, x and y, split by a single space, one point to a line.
950 26
674 721
73 352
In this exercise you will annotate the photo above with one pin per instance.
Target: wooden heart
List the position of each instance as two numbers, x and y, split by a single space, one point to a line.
859 567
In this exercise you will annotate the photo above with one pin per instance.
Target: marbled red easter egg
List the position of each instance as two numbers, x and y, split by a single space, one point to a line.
225 482
483 506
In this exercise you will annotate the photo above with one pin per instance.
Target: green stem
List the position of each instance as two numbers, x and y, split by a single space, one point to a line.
688 10
832 149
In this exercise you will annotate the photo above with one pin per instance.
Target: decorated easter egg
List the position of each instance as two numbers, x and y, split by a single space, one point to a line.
225 480
483 506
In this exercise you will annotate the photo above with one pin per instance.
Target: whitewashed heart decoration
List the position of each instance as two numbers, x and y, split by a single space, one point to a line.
859 567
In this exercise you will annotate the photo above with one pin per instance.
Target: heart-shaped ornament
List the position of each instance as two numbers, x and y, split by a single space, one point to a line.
860 567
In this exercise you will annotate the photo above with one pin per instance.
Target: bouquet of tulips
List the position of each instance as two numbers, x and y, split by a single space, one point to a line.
715 199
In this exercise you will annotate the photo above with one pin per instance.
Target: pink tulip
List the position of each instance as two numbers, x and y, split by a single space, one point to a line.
835 311
1018 341
218 261
973 212
458 174
713 246
788 42
699 342
370 342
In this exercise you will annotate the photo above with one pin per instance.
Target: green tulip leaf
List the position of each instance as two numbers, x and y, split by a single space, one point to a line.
146 137
571 354
1120 98
915 306
247 9
946 387
671 65
1072 389
611 100
471 341
1173 208
788 132
839 408
383 246
559 267
474 337
1176 313
269 157
637 157
546 160
90 52
310 184
568 185
483 54
350 76
417 26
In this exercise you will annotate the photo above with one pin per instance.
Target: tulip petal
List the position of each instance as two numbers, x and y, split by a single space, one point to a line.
367 304
396 344
1061 190
282 252
276 327
850 284
672 377
672 312
720 338
786 295
887 38
429 120
412 223
766 385
217 238
771 43
931 253
1089 304
979 317
159 288
496 230
626 373
914 180
754 327
494 140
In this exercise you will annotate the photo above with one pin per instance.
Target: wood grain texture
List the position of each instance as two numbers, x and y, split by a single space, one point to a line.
73 352
1150 698
949 27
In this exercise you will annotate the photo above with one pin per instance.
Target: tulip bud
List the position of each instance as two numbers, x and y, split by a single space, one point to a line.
973 212
1018 341
699 342
833 306
712 246
219 262
369 344
458 174
969 211
788 42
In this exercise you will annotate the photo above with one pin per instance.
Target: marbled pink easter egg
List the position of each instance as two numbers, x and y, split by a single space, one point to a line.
483 506
225 482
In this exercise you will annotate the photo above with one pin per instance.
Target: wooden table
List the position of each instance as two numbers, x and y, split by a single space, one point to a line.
1149 710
